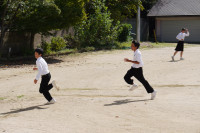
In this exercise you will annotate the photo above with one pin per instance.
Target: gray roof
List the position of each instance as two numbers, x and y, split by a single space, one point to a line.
175 8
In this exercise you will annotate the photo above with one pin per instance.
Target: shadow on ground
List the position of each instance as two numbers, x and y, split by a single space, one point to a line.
15 111
126 101
174 61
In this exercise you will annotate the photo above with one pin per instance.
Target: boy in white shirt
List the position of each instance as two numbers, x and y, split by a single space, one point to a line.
180 46
43 72
137 71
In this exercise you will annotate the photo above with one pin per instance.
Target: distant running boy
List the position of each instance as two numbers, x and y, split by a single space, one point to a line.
43 72
180 46
137 71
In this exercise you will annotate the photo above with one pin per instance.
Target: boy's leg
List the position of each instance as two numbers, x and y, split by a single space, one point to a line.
47 95
181 54
128 76
139 76
44 87
175 53
49 86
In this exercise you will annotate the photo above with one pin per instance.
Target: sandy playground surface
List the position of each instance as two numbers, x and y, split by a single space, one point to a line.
95 99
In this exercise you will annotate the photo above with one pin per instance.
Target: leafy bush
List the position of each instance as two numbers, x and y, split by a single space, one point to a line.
46 47
57 43
72 42
124 32
98 29
87 49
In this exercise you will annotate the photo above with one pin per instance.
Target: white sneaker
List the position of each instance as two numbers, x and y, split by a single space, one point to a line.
172 58
181 58
51 102
153 95
54 85
133 87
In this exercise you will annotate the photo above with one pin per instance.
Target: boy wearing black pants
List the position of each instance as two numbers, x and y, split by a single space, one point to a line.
43 72
180 45
137 71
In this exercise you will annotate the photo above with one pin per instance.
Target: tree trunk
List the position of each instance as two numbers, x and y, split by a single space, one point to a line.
2 38
32 41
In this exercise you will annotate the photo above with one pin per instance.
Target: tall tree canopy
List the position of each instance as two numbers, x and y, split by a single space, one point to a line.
39 16
122 9
147 4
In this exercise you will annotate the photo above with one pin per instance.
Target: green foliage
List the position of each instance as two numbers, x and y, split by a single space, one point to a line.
147 4
46 47
37 16
41 16
72 41
124 32
98 30
58 43
122 9
72 12
87 49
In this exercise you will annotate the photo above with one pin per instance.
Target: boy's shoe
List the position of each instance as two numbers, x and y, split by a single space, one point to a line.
54 85
51 102
181 58
133 87
153 95
172 58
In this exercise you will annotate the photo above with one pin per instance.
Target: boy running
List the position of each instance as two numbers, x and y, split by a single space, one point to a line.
43 72
180 46
137 71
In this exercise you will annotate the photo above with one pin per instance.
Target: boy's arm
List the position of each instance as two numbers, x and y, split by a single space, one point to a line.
35 68
39 68
187 33
135 62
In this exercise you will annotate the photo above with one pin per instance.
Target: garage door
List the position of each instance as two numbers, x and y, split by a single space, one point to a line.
170 29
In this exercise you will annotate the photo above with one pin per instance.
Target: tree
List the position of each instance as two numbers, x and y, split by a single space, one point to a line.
98 29
8 13
147 4
122 9
37 16
40 16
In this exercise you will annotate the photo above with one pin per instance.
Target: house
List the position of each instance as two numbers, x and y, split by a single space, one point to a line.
172 15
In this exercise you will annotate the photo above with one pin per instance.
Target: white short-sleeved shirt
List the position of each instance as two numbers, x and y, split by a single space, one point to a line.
181 36
42 67
137 57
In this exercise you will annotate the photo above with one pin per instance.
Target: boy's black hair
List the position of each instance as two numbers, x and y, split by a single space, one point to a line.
183 29
39 51
137 44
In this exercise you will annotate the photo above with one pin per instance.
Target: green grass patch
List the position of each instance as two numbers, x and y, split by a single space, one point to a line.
144 45
127 45
21 96
63 52
2 98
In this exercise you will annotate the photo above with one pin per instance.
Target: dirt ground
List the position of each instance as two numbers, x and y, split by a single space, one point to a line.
95 99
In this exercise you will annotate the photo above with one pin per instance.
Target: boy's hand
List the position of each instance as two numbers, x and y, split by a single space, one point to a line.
35 68
126 59
35 81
